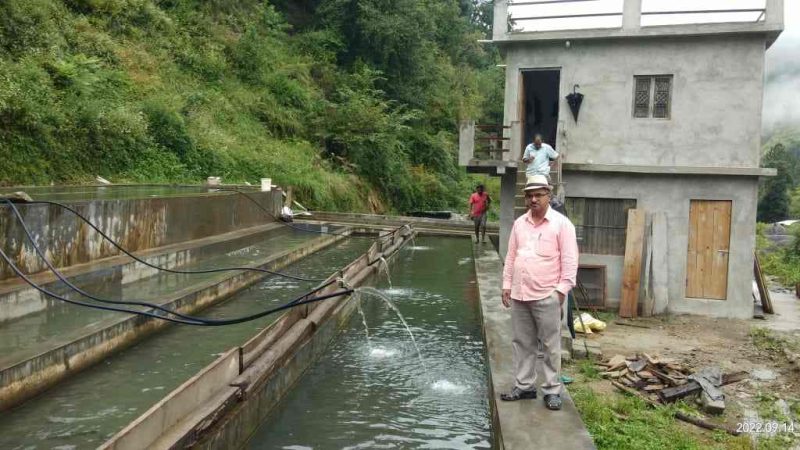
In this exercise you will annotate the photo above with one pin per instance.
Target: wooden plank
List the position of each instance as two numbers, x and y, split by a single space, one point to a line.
647 299
717 288
693 288
763 290
671 394
659 264
632 267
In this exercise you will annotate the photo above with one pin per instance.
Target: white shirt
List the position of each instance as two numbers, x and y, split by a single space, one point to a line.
541 159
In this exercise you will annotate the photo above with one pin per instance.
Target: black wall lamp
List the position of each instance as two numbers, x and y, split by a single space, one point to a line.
574 101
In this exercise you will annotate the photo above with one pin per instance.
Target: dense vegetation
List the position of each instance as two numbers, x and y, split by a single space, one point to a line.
780 195
353 102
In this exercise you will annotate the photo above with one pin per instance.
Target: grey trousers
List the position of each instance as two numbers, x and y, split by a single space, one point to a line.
533 322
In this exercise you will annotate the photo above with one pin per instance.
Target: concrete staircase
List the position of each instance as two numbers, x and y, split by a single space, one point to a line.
556 180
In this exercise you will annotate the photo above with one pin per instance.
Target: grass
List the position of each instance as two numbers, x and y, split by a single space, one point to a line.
588 369
622 422
618 421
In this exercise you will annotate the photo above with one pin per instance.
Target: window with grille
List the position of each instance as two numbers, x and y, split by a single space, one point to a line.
652 96
600 223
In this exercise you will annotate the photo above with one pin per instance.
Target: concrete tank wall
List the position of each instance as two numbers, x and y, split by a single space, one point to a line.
137 224
672 195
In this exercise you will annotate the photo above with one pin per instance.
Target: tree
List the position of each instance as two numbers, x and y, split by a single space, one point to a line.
773 205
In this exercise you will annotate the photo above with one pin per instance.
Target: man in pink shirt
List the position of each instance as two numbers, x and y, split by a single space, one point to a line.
540 270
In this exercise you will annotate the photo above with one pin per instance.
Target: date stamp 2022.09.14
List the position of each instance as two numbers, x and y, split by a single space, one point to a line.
767 427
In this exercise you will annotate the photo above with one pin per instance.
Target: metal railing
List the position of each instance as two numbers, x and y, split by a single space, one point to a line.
489 141
513 20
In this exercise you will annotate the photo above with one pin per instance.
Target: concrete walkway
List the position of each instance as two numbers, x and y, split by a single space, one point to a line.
787 312
524 424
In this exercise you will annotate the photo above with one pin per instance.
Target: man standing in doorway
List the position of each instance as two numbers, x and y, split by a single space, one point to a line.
479 203
538 156
540 270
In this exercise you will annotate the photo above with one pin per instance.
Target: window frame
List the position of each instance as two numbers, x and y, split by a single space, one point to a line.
651 96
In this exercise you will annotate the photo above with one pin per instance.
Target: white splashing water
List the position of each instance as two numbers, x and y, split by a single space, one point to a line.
363 319
379 352
376 293
448 386
385 266
398 291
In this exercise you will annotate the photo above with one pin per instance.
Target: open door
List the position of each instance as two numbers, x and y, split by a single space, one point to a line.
540 96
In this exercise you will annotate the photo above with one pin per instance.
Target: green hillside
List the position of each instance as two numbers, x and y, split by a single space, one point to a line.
355 103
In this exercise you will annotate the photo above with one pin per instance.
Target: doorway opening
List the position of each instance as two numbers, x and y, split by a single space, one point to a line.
539 105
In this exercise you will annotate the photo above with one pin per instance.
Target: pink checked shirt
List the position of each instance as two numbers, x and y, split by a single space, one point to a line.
542 258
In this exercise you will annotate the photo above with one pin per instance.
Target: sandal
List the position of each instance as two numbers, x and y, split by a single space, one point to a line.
518 394
552 401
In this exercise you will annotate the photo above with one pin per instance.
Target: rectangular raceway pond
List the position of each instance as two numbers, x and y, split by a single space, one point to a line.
84 411
372 390
29 335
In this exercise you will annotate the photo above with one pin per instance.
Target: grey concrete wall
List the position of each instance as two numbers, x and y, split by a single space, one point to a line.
672 195
137 224
716 98
613 265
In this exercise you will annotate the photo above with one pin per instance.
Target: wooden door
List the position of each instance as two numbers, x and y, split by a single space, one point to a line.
709 247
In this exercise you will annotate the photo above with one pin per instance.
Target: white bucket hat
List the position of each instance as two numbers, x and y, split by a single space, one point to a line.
537 182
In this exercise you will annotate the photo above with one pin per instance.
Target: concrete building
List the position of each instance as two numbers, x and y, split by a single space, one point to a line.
670 123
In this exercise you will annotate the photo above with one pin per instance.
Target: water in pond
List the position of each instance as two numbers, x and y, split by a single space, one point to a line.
35 333
85 410
376 394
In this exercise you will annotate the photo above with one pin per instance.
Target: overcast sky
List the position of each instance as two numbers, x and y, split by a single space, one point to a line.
782 93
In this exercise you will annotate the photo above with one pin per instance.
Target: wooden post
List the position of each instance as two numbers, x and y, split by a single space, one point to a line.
632 267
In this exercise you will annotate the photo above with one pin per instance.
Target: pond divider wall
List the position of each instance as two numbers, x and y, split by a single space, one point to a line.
422 225
221 406
33 375
137 224
18 299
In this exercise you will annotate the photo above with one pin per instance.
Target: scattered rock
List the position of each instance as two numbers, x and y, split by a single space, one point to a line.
762 374
783 407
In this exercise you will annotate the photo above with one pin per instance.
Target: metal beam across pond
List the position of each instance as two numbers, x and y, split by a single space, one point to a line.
422 225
